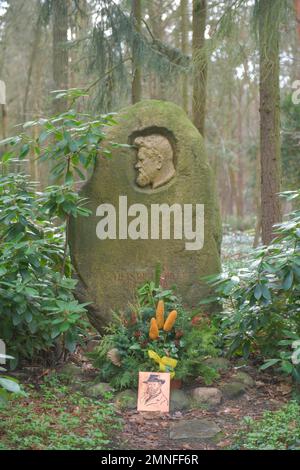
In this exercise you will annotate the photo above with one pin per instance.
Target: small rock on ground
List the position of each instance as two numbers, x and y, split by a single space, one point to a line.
179 400
194 429
244 378
126 400
207 395
233 390
97 390
71 370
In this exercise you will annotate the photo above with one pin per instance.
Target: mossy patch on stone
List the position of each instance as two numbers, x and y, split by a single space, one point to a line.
233 390
70 372
126 400
244 378
207 396
97 390
179 400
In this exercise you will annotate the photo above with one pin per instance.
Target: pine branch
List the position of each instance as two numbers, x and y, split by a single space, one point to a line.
148 29
106 74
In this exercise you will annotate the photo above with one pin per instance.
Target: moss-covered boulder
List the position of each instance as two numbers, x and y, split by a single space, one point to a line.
179 400
233 390
126 400
111 269
244 378
97 390
217 363
209 396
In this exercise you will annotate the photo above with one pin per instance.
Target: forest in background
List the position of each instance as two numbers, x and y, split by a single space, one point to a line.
202 55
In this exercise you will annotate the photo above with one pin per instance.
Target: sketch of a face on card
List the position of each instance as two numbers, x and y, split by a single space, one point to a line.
154 391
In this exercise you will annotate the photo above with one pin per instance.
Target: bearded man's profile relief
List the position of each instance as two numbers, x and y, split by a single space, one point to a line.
155 161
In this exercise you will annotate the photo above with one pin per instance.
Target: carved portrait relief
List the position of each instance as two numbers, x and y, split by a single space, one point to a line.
155 161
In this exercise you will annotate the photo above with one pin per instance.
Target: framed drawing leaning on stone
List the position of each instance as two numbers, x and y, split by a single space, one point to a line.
154 391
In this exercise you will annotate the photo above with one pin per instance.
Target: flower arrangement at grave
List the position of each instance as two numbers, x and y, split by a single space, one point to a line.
156 334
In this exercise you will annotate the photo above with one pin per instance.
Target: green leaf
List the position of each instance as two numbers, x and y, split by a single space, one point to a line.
10 385
10 140
135 347
2 271
246 350
29 124
6 356
269 363
258 291
69 177
266 292
73 146
28 317
30 291
288 281
43 136
4 397
24 151
70 342
79 172
286 367
7 156
64 327
285 342
17 319
55 332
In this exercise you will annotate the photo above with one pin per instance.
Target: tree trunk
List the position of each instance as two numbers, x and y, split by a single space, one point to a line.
136 89
240 182
200 64
296 42
60 51
257 201
155 11
78 60
269 118
184 48
3 110
33 55
297 10
233 188
4 121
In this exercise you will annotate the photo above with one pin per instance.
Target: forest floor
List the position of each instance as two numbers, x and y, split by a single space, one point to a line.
56 413
147 431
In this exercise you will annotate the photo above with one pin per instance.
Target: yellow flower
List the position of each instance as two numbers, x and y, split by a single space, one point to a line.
166 364
160 310
153 332
169 323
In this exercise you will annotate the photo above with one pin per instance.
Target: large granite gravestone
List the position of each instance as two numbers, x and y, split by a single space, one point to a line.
165 165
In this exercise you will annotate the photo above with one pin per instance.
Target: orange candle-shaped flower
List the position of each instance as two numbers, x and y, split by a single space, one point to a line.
153 332
169 323
160 310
